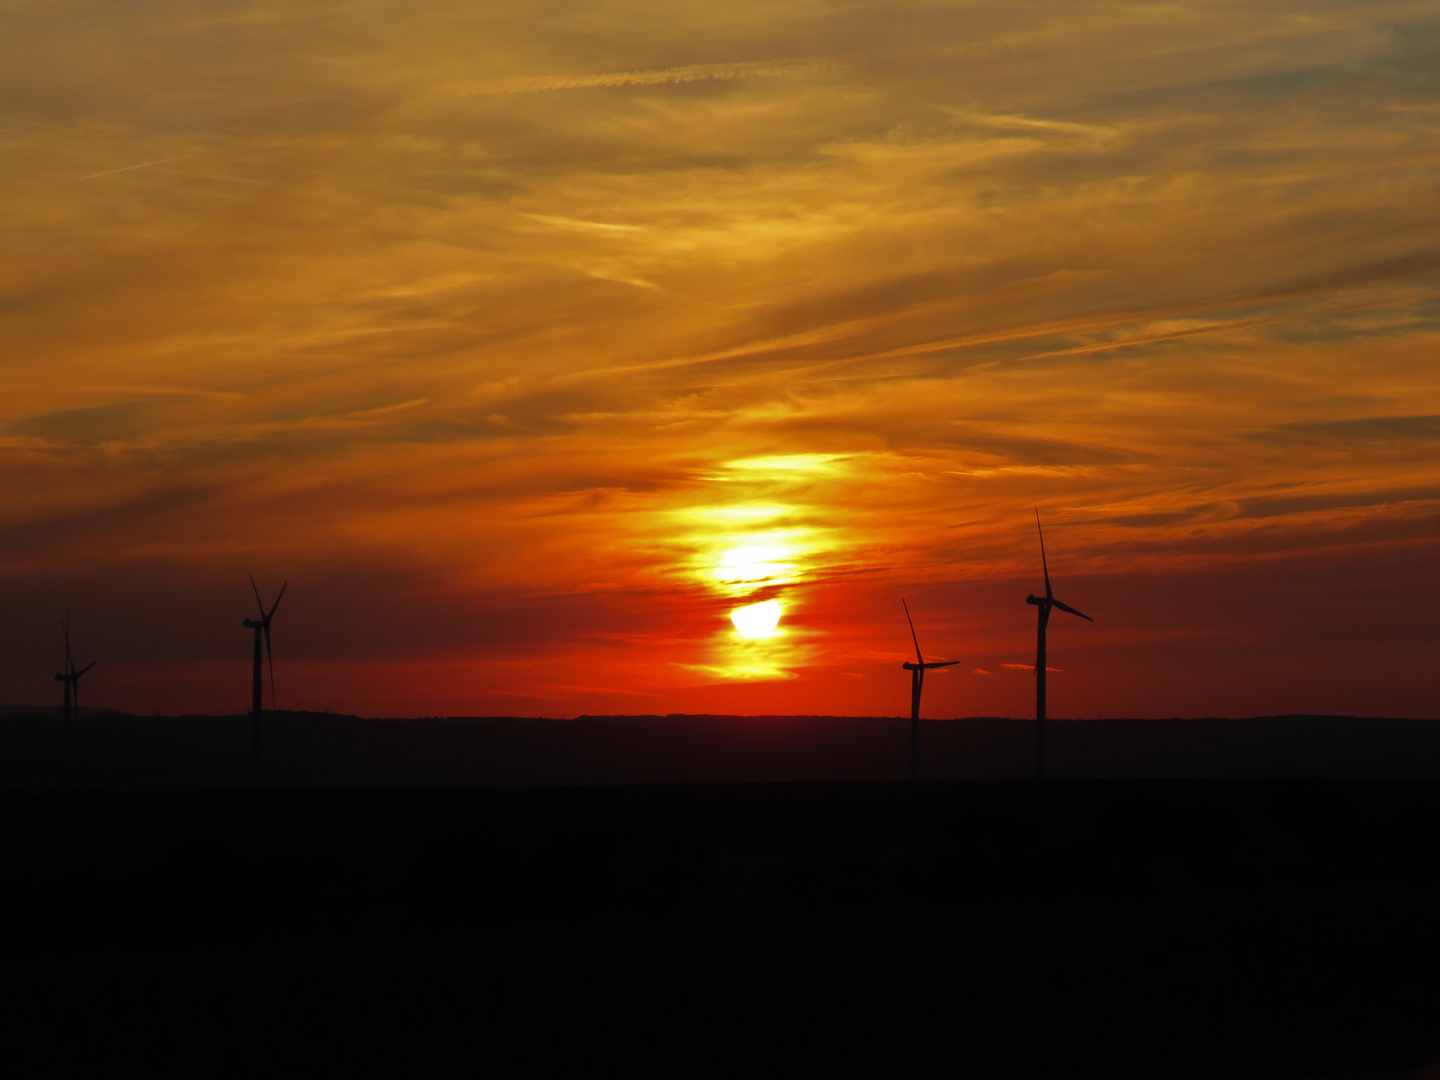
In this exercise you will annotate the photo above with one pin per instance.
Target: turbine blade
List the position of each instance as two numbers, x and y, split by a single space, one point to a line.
942 663
277 601
912 631
1043 563
256 589
1071 610
271 657
86 668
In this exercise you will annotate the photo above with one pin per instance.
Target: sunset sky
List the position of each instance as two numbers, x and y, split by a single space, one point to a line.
529 341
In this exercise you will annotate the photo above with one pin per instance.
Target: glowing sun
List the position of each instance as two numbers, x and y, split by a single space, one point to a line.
757 620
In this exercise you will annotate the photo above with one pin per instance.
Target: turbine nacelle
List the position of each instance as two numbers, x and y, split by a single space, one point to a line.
1044 604
70 677
70 674
917 682
261 626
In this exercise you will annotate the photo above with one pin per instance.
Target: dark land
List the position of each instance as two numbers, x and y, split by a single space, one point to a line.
305 749
404 914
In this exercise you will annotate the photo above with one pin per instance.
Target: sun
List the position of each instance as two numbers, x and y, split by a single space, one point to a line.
757 620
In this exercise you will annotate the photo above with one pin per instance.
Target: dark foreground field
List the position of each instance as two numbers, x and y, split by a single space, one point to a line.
1240 928
318 750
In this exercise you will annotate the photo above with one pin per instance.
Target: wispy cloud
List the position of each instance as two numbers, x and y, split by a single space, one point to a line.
1030 123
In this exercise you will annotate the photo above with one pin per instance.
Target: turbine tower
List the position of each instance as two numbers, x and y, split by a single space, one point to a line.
257 683
71 678
1044 604
917 682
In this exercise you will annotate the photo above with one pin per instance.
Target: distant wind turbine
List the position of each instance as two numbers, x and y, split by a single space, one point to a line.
917 682
71 678
1044 604
257 683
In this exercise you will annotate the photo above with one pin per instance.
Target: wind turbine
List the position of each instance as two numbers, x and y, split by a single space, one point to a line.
257 683
1044 604
917 682
71 678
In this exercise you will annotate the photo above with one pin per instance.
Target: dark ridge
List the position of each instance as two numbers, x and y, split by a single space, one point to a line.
309 749
52 712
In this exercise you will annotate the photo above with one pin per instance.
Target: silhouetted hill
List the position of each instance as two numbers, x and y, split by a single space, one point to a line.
300 749
53 712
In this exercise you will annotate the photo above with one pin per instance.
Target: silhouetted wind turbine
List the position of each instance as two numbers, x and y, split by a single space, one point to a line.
1044 604
257 683
71 678
917 681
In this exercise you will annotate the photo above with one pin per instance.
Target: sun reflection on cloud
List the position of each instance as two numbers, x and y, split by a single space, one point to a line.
744 512
749 567
804 463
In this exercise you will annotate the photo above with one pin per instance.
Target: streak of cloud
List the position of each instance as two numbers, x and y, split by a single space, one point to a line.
126 168
534 84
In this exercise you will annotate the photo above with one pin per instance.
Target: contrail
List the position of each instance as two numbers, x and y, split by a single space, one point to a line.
530 84
738 69
127 168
